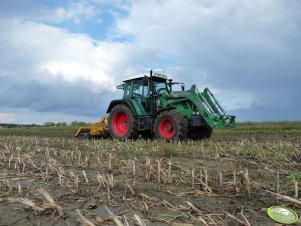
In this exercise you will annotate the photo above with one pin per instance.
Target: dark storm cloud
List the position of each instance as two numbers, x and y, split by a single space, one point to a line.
56 96
245 48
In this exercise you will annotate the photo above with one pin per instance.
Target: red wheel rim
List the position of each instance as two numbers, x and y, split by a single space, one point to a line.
120 124
167 128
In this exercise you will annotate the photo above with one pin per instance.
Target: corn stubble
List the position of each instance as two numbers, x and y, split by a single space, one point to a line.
143 182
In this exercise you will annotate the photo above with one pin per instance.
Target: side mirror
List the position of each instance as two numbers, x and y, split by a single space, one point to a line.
120 87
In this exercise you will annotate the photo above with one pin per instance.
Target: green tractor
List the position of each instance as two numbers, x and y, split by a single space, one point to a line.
151 107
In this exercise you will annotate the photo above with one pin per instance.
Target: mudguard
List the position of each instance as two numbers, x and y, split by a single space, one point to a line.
126 102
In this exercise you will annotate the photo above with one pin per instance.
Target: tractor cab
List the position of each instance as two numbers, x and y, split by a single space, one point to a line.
143 92
144 86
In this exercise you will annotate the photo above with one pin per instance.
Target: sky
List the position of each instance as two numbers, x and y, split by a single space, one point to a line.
61 60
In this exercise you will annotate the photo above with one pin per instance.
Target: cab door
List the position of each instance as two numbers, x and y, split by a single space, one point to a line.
140 95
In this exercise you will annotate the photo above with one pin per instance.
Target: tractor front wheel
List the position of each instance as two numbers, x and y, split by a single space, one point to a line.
122 123
170 125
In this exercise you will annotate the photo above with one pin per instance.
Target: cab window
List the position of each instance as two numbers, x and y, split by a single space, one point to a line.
127 90
160 87
139 90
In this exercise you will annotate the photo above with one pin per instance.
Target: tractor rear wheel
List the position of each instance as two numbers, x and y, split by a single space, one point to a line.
122 123
170 125
199 133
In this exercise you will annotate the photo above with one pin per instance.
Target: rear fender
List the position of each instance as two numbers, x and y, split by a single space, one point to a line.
125 102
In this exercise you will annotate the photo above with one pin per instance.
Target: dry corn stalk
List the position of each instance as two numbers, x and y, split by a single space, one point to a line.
159 169
181 224
192 177
110 161
114 217
51 204
169 169
148 169
237 219
84 220
139 220
27 202
284 197
85 176
247 181
296 188
134 168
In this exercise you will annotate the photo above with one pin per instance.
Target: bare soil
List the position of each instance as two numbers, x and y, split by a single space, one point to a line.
228 180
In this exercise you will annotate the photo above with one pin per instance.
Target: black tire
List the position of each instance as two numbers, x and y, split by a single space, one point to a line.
170 125
147 134
87 135
123 124
84 135
200 133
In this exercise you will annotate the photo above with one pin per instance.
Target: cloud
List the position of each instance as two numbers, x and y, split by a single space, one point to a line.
247 52
27 116
38 48
248 49
77 12
6 117
48 69
53 96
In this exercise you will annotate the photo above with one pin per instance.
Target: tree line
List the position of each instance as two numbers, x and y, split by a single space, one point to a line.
74 123
45 124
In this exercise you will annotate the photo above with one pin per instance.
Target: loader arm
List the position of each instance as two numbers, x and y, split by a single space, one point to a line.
212 112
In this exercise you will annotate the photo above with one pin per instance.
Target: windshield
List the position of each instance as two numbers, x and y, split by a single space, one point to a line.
160 87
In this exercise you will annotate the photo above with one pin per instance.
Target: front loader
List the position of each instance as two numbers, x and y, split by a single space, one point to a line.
150 107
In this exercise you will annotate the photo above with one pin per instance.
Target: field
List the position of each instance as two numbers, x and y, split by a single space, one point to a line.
47 177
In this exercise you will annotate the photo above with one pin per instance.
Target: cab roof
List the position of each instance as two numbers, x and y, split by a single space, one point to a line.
155 77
